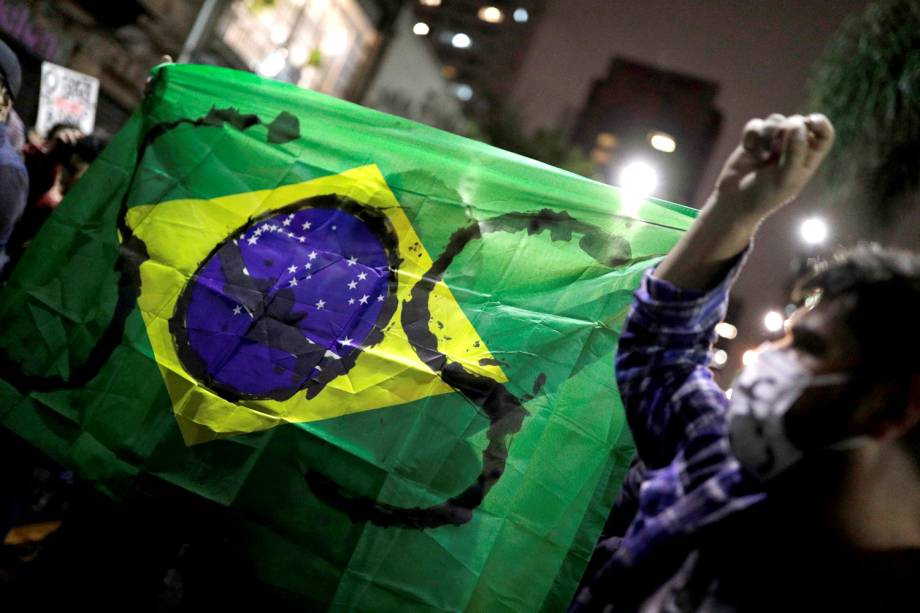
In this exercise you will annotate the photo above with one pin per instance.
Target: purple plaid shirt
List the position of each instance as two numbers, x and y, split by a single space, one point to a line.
677 415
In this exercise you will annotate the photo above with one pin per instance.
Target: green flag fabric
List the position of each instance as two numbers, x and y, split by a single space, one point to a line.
387 352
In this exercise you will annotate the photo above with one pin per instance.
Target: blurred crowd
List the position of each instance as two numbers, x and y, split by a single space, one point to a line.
36 170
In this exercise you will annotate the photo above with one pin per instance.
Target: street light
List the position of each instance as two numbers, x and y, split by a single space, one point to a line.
461 41
420 29
813 231
726 330
638 179
773 321
521 15
464 92
430 2
719 357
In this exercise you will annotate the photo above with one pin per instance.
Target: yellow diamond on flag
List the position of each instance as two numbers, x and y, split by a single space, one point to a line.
182 238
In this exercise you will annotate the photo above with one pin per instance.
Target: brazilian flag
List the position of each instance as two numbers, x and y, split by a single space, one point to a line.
385 351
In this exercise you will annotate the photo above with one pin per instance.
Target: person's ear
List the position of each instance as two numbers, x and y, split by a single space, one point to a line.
912 411
887 413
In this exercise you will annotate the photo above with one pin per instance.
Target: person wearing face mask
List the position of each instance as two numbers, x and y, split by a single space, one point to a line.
802 491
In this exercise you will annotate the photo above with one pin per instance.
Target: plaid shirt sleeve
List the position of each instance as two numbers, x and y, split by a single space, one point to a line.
676 413
663 364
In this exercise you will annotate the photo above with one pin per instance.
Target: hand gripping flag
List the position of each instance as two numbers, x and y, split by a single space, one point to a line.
384 351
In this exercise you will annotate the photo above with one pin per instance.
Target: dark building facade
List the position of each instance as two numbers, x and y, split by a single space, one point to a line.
638 112
330 46
498 32
327 45
117 42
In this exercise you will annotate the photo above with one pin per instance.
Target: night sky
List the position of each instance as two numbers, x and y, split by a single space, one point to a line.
759 52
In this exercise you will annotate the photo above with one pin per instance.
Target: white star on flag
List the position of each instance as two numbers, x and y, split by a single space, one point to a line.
362 276
351 301
287 221
253 240
364 299
352 261
306 225
320 304
294 282
292 268
312 255
237 310
380 298
346 341
352 284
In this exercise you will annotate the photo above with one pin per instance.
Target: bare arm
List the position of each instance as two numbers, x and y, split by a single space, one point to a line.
773 162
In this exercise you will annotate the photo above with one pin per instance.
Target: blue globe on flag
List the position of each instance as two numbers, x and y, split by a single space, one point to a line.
288 302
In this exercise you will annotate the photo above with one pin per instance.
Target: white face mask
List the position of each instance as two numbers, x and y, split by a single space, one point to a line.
761 396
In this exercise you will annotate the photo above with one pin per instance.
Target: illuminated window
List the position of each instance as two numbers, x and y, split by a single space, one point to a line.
491 14
320 44
606 140
662 142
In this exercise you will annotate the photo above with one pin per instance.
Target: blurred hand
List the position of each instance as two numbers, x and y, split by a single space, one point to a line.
65 137
148 84
775 159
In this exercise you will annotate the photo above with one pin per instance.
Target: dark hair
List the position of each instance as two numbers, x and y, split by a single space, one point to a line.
58 127
89 147
883 287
